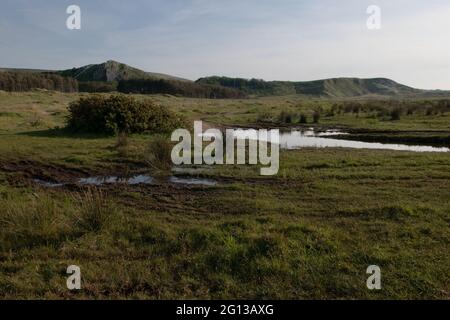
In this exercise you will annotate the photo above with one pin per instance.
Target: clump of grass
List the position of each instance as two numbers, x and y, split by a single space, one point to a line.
36 120
93 212
158 153
31 222
122 144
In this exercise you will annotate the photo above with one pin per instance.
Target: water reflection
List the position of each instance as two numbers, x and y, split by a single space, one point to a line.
193 181
311 139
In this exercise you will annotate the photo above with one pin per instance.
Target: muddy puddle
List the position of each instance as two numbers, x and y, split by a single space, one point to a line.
98 181
141 179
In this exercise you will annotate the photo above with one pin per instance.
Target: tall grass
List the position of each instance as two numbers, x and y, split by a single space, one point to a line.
27 222
158 153
94 210
32 221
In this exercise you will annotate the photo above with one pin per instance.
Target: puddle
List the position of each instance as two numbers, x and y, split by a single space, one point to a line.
192 171
140 179
135 180
48 184
98 181
193 181
311 139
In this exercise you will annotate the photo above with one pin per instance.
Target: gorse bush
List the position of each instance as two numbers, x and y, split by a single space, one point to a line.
120 113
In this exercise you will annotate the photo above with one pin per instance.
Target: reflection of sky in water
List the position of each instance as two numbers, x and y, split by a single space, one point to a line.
140 179
97 181
193 181
311 139
135 180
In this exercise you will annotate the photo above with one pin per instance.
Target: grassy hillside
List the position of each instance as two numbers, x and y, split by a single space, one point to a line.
336 87
111 71
351 87
108 71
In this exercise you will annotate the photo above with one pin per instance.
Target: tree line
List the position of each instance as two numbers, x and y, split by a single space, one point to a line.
26 81
175 87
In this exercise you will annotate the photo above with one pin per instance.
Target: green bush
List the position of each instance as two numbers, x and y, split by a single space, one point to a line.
316 116
303 118
286 117
395 114
264 117
120 113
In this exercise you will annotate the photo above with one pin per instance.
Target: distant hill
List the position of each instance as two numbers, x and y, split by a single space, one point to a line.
112 71
335 87
104 77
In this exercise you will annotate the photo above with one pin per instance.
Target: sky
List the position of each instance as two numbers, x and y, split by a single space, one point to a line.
296 40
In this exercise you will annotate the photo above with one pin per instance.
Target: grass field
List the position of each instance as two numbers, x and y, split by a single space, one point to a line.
309 232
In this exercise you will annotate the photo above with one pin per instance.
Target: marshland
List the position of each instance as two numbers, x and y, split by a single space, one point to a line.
202 232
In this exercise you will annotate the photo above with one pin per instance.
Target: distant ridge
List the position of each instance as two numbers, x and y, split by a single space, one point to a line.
335 87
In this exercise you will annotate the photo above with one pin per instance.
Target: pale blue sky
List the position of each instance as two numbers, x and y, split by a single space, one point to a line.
272 40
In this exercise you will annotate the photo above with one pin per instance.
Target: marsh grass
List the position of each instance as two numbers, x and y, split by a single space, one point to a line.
32 221
94 210
38 219
157 154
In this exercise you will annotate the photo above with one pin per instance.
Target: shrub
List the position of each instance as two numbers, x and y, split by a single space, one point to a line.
120 113
286 117
316 116
395 114
303 118
264 117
